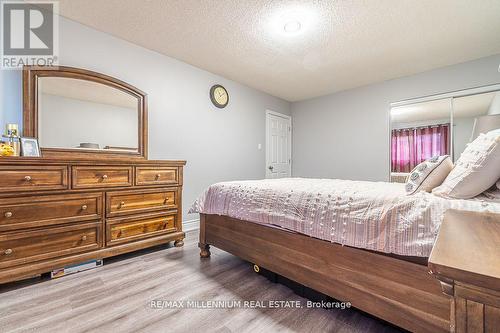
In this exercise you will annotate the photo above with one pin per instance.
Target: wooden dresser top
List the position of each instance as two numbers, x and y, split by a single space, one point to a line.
467 249
124 161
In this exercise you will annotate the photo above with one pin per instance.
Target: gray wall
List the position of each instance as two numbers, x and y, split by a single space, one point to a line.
343 135
346 135
104 124
183 124
2 113
10 98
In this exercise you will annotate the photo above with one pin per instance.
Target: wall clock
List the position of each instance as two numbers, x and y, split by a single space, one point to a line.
219 96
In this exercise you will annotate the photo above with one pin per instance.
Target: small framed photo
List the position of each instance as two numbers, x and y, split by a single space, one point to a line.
29 147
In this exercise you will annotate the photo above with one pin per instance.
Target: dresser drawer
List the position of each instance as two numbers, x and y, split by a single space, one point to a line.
97 177
29 212
21 178
156 176
123 230
18 248
140 201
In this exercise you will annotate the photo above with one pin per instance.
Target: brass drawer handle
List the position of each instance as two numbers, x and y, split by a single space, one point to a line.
8 214
158 176
84 207
7 252
84 238
104 177
27 178
122 203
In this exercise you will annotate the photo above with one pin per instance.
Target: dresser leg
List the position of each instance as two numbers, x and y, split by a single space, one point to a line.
204 250
178 243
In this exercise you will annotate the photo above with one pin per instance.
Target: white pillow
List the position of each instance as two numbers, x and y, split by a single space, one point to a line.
477 169
429 174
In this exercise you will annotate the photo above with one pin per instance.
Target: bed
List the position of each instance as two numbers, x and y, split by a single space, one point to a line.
362 242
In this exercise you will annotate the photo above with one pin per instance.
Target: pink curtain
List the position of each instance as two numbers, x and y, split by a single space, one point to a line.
411 146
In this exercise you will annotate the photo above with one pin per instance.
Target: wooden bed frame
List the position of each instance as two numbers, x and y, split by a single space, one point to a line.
398 291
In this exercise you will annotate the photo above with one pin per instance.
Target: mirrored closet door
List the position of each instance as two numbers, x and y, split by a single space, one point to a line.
439 125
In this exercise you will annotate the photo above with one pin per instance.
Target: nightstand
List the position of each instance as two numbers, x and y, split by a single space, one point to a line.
466 260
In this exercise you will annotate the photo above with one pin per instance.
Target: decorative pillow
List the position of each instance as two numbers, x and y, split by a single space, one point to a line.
498 184
429 174
477 169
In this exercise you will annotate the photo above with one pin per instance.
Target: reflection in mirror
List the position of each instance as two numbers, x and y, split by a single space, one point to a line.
473 115
418 132
439 127
74 113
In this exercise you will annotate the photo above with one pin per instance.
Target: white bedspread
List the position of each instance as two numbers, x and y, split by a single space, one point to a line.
371 215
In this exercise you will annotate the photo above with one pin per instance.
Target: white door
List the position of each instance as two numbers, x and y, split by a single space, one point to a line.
278 145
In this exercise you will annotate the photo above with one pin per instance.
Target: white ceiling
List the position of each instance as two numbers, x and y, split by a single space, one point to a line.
342 44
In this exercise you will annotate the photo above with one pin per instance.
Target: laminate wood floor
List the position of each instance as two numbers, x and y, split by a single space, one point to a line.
116 298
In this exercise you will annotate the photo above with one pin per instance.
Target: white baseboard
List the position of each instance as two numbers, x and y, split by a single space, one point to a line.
191 225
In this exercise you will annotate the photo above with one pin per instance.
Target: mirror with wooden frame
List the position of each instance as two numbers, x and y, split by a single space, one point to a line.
439 125
80 114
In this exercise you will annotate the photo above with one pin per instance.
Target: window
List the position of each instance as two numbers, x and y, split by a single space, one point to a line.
411 146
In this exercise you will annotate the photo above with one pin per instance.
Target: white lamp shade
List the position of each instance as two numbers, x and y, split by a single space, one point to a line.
484 124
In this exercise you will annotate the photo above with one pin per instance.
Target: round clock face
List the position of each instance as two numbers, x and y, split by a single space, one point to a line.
219 96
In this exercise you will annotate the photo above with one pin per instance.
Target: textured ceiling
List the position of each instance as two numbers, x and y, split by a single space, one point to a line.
342 44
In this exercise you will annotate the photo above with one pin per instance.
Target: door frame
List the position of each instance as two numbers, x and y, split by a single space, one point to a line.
289 118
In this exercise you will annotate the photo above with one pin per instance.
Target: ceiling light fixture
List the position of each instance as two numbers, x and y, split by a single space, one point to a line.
291 22
292 26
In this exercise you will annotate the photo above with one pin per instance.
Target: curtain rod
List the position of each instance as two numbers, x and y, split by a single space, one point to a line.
426 126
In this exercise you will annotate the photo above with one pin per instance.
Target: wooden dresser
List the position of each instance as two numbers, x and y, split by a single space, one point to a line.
55 212
73 204
466 260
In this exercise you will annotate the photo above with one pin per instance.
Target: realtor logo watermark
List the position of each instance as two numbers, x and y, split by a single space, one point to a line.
30 33
247 304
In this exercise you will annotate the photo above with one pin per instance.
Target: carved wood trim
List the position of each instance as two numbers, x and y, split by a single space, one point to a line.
447 285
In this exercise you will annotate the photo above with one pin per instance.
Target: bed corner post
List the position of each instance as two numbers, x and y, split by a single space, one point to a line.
204 247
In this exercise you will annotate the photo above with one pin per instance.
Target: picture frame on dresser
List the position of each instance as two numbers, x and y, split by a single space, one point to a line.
30 147
73 205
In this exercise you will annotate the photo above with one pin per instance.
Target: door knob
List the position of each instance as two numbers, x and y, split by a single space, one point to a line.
271 168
